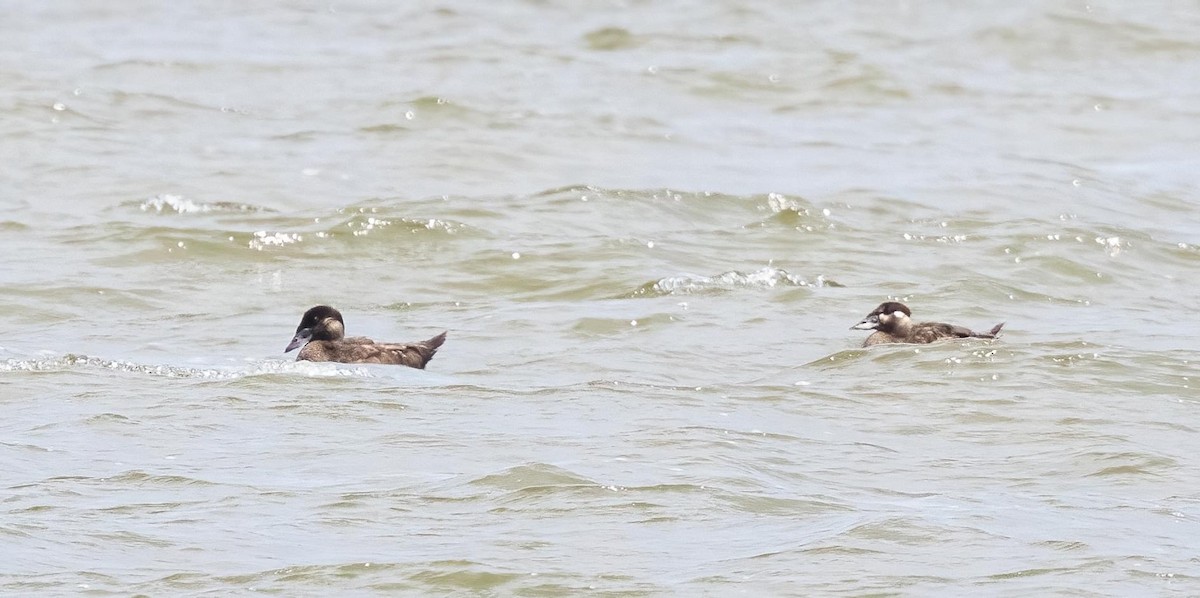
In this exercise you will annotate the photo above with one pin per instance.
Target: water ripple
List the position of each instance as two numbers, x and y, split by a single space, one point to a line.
764 278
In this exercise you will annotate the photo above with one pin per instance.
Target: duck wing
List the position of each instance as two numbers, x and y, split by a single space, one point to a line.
414 355
364 350
929 332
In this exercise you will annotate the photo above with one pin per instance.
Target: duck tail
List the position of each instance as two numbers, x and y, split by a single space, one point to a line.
435 342
419 354
995 331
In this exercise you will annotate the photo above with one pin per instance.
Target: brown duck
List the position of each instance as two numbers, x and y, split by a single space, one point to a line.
322 334
892 323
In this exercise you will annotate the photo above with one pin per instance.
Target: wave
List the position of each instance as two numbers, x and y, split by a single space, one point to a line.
73 361
764 278
180 205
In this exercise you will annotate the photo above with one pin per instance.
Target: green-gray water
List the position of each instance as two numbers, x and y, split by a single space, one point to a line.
647 228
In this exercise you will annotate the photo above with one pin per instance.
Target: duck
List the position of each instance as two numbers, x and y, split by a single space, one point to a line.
321 336
892 323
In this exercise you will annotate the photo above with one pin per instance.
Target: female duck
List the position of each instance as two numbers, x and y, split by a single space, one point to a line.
892 323
322 334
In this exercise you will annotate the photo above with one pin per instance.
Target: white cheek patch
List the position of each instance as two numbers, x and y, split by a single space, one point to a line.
899 315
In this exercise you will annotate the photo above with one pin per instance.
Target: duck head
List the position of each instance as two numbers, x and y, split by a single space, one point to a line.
890 317
321 323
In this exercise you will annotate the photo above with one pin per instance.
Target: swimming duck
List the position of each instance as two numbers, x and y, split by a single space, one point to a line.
322 334
892 323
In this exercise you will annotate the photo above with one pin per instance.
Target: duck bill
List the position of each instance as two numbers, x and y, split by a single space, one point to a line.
868 323
299 340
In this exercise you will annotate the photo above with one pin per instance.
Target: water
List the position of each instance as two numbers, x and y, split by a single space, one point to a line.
647 228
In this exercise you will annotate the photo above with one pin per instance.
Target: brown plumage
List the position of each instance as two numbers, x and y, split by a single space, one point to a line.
322 334
892 323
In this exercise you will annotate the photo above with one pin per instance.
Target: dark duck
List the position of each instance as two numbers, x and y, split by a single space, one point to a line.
322 336
892 323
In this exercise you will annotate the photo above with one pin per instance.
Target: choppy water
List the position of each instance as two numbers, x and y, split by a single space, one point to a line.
647 228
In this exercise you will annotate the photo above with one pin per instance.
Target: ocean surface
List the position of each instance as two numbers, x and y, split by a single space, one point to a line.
647 228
